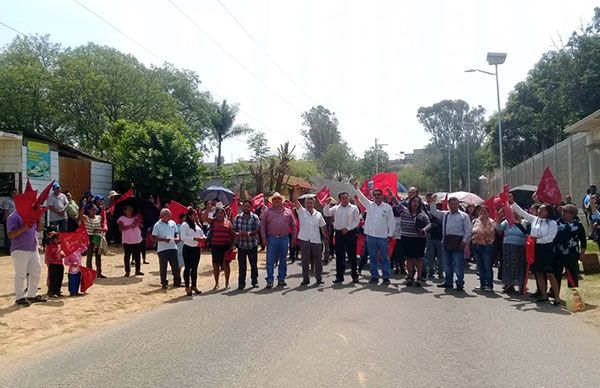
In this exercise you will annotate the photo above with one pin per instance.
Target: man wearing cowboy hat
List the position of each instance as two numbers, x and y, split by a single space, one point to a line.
275 226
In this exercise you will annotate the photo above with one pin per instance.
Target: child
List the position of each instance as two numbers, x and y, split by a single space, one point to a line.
74 261
56 269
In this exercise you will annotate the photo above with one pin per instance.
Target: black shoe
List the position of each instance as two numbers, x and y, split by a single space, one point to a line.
338 281
269 285
419 282
305 283
320 281
138 273
409 282
22 302
241 287
281 284
444 285
100 276
374 281
460 288
397 271
127 274
386 281
254 285
37 299
74 294
354 280
541 299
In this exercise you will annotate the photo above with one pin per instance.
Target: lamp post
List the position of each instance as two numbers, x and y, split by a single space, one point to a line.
468 132
495 59
377 145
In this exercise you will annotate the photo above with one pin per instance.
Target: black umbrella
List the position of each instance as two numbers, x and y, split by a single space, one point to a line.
221 194
522 194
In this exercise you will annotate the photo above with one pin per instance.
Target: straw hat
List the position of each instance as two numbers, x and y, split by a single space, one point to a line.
112 193
276 195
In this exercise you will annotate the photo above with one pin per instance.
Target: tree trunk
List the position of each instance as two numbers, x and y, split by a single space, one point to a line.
219 154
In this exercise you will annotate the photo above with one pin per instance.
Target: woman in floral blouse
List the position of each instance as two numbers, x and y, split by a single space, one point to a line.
569 238
484 234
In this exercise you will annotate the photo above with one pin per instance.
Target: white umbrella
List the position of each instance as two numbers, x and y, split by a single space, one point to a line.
466 197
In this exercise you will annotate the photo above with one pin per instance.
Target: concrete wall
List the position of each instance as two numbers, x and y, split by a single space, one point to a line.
11 159
570 164
101 178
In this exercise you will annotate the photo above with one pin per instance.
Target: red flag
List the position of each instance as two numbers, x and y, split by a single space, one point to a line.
391 246
548 190
88 277
177 210
230 255
322 195
128 194
445 203
25 204
77 241
385 180
508 213
269 204
234 206
365 189
491 204
258 201
288 204
44 194
28 186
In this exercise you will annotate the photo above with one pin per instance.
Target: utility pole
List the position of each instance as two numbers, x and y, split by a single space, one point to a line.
377 146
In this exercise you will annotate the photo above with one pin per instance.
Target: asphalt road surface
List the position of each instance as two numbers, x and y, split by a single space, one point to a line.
329 336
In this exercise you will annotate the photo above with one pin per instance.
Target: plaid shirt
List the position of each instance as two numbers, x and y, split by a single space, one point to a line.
250 224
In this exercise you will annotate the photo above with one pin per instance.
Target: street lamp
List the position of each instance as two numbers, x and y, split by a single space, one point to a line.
495 59
468 132
377 146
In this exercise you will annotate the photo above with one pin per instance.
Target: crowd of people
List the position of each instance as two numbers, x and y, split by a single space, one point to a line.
410 237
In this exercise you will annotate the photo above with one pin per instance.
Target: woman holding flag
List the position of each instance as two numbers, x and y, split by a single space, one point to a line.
543 229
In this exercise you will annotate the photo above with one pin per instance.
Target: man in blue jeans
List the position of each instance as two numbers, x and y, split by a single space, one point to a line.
275 225
456 231
379 228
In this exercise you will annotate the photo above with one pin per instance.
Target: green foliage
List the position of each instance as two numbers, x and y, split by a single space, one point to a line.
320 130
339 162
562 88
223 126
259 145
77 95
304 168
416 176
158 158
374 160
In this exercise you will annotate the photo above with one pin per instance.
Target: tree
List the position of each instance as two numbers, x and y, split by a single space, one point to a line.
304 168
374 160
259 145
453 127
158 158
320 130
339 162
275 171
27 65
417 177
223 125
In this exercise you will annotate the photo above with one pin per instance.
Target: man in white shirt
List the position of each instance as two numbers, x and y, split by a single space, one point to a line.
345 221
165 233
57 204
456 232
312 224
379 229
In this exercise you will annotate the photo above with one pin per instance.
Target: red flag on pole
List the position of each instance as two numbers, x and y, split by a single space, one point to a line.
385 180
548 190
128 194
258 201
177 210
508 213
322 195
491 204
77 241
45 193
88 277
28 186
25 204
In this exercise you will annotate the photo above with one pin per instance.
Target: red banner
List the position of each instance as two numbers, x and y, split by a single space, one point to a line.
123 197
77 241
385 180
28 186
491 204
258 201
234 207
44 194
445 202
548 190
508 213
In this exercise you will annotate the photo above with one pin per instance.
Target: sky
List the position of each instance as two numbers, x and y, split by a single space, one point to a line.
373 63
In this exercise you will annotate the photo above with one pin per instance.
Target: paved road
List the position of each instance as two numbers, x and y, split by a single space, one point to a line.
352 335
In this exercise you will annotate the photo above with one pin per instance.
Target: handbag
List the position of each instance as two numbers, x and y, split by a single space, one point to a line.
452 242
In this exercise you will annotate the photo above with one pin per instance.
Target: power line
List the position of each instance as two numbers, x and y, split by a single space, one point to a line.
135 41
185 15
12 28
266 53
119 31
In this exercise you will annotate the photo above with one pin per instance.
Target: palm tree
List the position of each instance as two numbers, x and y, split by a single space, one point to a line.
223 127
